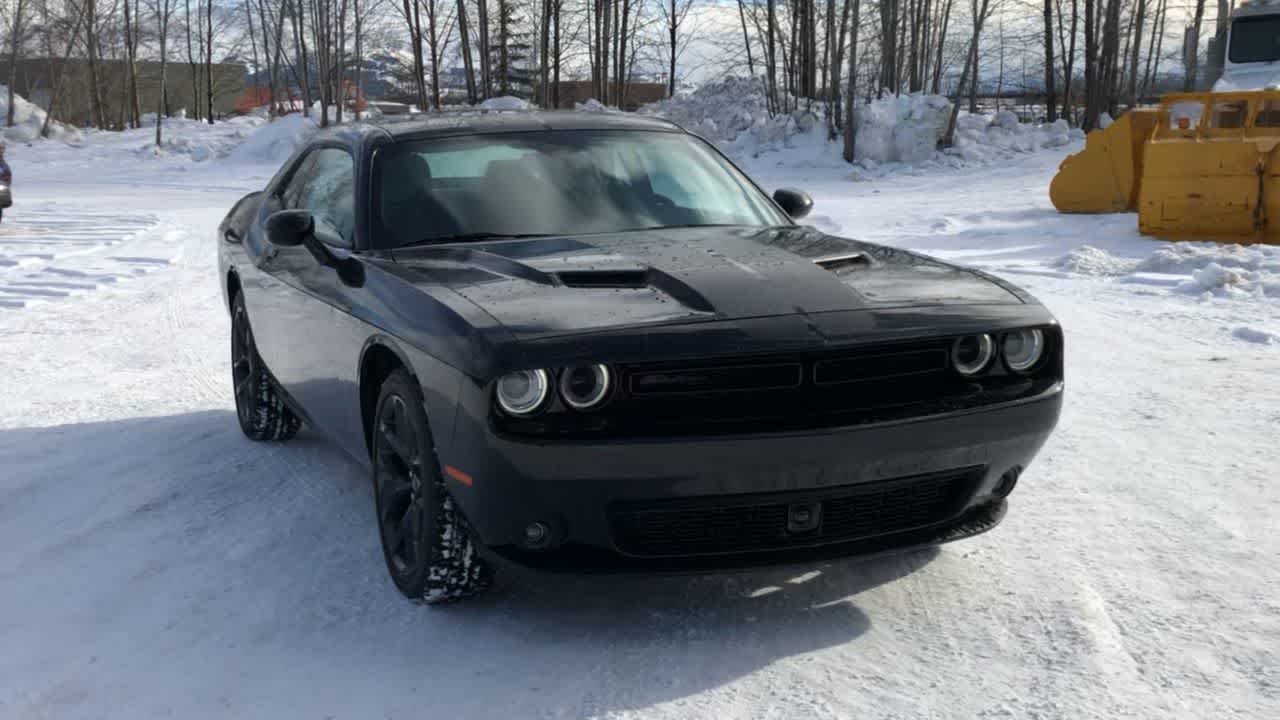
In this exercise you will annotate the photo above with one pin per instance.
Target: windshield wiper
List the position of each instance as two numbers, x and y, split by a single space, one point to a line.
467 237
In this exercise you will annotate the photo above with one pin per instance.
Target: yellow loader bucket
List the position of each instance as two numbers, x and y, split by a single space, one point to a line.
1211 170
1105 176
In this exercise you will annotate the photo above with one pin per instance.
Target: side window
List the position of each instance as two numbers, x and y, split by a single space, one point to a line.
291 195
330 192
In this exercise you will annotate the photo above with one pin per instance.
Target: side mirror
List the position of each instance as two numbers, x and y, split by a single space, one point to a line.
290 228
796 203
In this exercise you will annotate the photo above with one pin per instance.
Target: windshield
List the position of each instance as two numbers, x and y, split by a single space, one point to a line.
1255 39
558 183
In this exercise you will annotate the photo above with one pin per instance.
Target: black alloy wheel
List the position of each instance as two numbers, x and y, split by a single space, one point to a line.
426 541
261 411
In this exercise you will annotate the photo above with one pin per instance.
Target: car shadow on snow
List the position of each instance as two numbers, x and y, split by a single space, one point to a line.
194 539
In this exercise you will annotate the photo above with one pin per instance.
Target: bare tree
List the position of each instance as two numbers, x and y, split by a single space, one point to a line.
674 13
968 77
1139 19
851 97
1192 49
465 37
1068 55
1050 97
163 10
59 83
15 42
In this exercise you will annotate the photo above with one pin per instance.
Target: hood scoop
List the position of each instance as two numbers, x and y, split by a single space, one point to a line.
627 278
635 279
843 263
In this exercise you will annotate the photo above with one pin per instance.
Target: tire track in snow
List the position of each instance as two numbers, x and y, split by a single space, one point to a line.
50 254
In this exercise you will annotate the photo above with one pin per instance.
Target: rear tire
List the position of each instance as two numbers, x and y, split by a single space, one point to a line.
426 541
262 413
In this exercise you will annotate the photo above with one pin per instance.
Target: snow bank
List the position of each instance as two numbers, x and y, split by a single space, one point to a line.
892 132
28 118
275 142
593 105
984 139
901 128
1193 268
506 102
1089 260
734 114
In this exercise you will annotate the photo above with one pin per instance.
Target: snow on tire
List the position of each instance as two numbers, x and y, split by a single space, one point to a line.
262 413
426 541
457 571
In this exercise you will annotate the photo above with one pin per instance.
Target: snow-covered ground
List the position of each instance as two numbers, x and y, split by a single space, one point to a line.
157 564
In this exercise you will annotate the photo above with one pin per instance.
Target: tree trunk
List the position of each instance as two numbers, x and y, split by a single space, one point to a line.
942 42
1192 49
60 81
1140 19
133 35
162 21
837 64
622 73
208 57
191 63
851 96
486 69
433 43
465 37
555 79
15 40
1154 48
969 74
95 88
889 44
672 28
359 59
771 56
1068 57
1050 97
300 42
746 39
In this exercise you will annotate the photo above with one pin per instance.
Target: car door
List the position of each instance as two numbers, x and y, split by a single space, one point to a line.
303 343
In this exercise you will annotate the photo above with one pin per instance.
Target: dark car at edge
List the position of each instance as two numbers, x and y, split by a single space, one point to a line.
589 343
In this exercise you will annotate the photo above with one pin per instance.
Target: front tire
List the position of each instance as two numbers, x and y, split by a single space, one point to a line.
262 413
426 541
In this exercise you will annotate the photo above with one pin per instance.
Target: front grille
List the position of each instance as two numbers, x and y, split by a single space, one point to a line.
799 391
751 523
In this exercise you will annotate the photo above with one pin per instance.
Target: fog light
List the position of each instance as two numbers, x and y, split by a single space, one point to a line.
536 534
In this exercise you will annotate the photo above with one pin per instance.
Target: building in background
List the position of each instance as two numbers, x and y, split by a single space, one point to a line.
637 93
37 78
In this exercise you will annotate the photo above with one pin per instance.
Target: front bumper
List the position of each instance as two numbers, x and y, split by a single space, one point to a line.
576 490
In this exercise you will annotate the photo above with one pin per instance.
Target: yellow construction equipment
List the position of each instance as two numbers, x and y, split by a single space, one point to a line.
1201 165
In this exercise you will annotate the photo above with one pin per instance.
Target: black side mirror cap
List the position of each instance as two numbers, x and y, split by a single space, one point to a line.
795 203
290 228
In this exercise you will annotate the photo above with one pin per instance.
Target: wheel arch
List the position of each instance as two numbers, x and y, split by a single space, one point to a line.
379 357
232 286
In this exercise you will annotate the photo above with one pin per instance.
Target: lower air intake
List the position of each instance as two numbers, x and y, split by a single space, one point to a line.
750 523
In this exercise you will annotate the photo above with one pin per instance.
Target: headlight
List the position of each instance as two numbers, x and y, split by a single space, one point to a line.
1023 349
971 355
523 391
585 386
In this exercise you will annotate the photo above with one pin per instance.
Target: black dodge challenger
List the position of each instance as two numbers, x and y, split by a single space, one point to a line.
588 342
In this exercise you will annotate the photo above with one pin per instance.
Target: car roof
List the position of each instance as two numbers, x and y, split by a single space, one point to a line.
482 122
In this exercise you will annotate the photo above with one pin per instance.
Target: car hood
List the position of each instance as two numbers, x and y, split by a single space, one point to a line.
540 287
